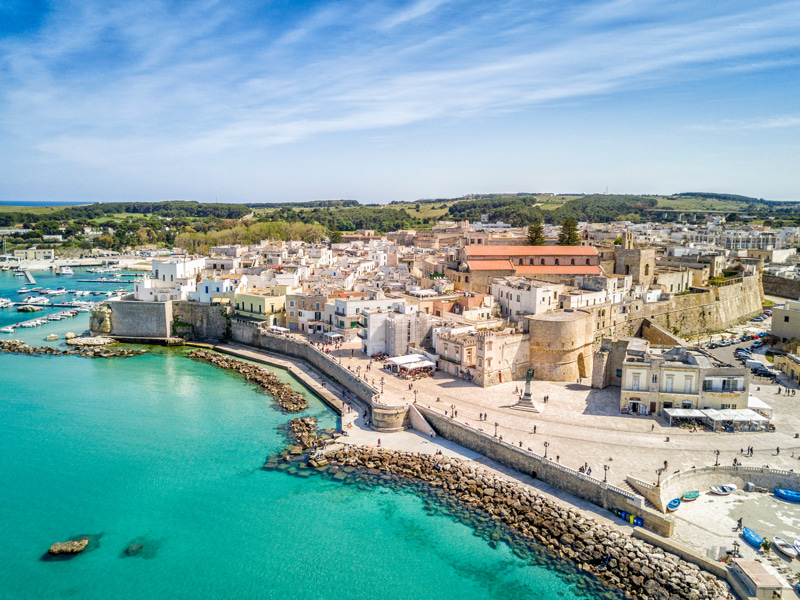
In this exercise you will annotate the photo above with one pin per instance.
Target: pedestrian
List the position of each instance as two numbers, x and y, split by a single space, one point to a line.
589 471
520 443
585 466
534 429
455 413
379 442
652 427
778 451
558 458
739 524
666 464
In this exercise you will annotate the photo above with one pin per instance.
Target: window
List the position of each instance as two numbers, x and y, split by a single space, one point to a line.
556 261
786 319
687 385
669 384
587 261
655 378
619 372
542 262
635 385
206 289
572 261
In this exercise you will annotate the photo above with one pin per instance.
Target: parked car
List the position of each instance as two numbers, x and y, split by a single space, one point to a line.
768 313
713 346
762 334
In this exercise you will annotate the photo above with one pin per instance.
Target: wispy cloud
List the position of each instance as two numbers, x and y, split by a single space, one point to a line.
782 122
99 82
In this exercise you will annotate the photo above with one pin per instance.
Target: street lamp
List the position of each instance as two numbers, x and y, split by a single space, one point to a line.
605 475
546 446
659 471
735 549
716 464
415 396
495 429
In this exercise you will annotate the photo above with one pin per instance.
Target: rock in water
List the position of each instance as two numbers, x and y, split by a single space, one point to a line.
70 547
69 335
51 338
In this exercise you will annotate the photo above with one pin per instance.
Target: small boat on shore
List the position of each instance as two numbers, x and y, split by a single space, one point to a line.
690 496
796 545
722 490
8 329
784 546
787 495
752 538
673 505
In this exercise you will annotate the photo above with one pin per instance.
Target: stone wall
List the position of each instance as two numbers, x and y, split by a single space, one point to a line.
562 344
134 319
559 476
200 321
703 478
383 417
658 336
781 287
509 356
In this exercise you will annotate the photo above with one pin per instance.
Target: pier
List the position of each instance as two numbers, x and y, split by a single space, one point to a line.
106 280
29 276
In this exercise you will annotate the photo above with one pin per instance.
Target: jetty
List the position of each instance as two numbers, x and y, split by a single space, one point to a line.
27 274
106 280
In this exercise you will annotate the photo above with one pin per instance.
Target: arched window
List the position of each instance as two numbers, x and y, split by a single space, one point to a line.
588 262
542 262
627 269
520 262
572 262
646 270
556 261
531 263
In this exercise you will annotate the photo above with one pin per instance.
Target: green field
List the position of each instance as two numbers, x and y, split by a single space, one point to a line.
695 203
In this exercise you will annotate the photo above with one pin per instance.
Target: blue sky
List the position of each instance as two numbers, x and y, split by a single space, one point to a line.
390 100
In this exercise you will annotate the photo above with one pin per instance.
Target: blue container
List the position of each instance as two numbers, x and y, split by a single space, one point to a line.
638 522
624 516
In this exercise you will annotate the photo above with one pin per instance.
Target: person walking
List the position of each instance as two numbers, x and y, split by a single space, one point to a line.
778 451
534 429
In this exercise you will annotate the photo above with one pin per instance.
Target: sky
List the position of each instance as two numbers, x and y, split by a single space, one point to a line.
377 101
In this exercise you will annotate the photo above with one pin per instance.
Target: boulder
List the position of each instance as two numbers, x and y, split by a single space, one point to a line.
70 547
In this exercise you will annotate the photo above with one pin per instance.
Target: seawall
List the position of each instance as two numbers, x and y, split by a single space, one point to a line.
382 417
571 481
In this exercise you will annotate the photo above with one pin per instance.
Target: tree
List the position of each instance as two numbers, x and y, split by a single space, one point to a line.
569 235
335 235
731 218
536 234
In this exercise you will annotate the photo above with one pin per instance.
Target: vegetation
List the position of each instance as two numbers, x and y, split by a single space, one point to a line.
569 235
536 234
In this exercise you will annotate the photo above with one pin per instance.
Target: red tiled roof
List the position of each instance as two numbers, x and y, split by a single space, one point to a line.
490 265
557 270
490 251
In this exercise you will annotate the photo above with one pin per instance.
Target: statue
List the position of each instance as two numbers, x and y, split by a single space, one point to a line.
529 375
526 401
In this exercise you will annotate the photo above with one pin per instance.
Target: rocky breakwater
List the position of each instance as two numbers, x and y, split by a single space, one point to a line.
287 399
20 347
638 569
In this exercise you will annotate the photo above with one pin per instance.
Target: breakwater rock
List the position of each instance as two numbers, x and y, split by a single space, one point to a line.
633 566
20 347
288 400
90 342
70 547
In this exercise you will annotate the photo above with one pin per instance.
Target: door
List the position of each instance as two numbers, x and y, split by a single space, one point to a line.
652 407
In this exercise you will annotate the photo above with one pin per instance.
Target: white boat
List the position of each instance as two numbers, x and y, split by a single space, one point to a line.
784 546
5 303
796 545
40 300
7 329
65 271
722 490
19 274
57 292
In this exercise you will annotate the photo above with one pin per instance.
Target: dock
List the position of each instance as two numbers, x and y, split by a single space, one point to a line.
106 280
29 276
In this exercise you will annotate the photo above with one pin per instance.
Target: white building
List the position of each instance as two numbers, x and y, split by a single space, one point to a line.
208 289
172 279
519 296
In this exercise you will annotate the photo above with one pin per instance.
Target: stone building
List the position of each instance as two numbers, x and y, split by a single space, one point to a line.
639 263
561 344
680 378
501 357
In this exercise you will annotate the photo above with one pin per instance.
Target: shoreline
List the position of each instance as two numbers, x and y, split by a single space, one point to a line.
592 547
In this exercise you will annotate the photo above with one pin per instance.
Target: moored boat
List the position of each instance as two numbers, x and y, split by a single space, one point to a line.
784 546
752 538
787 495
673 505
722 490
690 496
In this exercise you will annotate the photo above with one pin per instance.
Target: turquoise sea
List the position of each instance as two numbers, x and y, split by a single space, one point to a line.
165 453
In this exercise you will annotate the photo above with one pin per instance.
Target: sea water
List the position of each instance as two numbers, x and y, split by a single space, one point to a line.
158 458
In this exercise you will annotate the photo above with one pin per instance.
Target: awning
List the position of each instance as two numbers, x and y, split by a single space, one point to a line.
421 364
406 360
333 335
758 405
